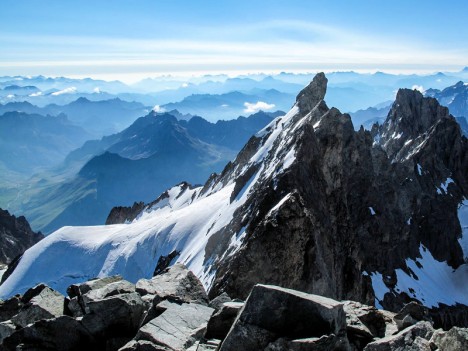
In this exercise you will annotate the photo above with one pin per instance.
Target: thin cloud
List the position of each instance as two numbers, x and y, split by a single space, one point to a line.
257 106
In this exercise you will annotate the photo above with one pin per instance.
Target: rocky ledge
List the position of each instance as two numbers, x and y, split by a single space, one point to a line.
171 311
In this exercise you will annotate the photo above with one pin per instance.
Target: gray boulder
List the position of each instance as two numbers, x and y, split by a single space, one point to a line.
178 327
218 301
97 283
47 304
62 333
114 316
220 323
454 340
272 312
414 338
176 282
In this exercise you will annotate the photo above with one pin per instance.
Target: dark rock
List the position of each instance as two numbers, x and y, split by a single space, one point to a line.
16 237
311 95
164 262
10 307
218 302
142 345
221 322
62 334
414 338
114 316
176 282
122 214
6 329
410 314
364 323
446 317
272 312
44 303
178 327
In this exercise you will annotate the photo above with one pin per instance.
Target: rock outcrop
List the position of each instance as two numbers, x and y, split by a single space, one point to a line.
16 236
113 314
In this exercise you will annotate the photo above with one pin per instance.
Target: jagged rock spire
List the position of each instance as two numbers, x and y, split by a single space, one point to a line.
312 94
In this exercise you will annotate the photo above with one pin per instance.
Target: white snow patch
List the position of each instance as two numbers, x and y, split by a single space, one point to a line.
289 158
70 90
419 169
97 90
158 109
409 221
10 96
445 184
372 211
39 93
436 281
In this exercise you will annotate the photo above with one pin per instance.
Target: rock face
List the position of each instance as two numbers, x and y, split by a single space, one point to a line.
16 236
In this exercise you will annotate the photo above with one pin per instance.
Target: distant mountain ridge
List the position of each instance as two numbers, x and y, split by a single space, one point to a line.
137 164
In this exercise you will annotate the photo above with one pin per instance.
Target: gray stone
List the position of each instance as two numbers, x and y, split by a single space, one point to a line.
46 304
116 315
97 283
175 282
407 339
454 340
221 322
178 327
218 301
61 334
272 312
111 289
6 329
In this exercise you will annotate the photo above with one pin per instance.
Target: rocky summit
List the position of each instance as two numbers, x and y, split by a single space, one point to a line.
377 217
171 312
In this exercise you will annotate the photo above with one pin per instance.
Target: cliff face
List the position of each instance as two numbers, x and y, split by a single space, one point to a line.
16 236
351 206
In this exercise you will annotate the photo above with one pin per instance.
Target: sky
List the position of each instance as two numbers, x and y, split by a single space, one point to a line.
130 40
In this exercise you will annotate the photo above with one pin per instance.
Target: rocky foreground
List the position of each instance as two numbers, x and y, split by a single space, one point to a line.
172 311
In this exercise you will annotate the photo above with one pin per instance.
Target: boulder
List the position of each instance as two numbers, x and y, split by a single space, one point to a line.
62 333
178 327
114 316
218 301
410 314
111 289
6 329
97 283
10 307
453 340
414 338
46 304
364 323
220 323
176 282
271 312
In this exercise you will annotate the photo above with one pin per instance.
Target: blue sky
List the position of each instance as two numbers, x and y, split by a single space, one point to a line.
133 39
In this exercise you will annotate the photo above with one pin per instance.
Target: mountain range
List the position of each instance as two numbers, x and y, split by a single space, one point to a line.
309 203
136 164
